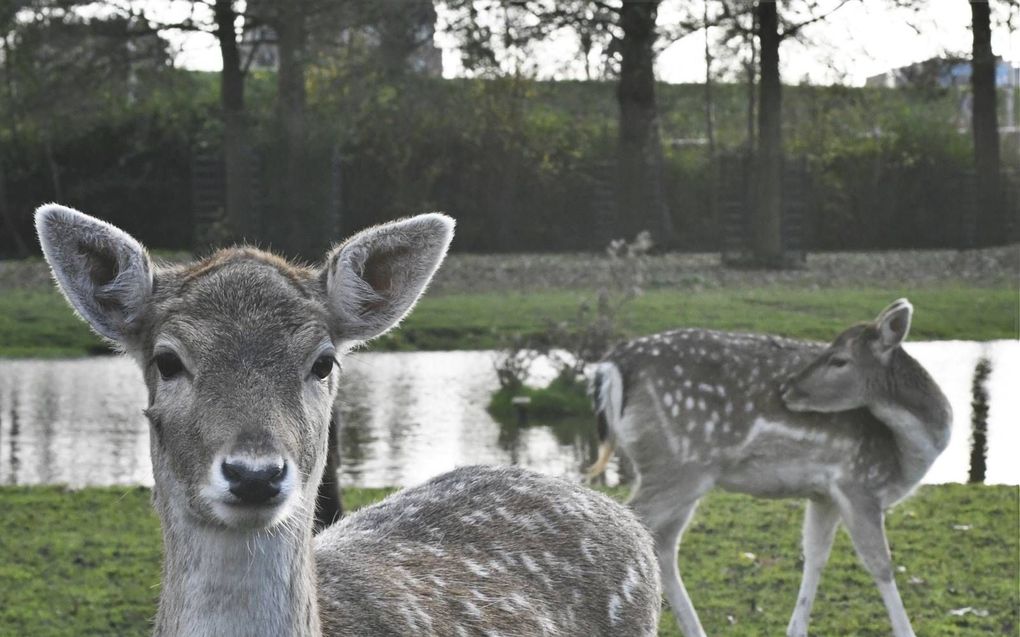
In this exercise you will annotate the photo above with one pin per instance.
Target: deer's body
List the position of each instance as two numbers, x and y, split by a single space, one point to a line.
481 551
239 354
696 409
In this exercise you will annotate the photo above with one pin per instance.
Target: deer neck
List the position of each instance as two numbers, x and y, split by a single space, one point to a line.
220 581
917 413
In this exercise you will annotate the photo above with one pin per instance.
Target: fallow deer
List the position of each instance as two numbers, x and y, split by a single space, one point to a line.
851 427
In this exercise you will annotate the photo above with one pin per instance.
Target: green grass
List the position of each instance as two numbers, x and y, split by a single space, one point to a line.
492 320
38 323
87 563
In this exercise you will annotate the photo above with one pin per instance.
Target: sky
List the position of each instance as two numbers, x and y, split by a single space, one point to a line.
861 39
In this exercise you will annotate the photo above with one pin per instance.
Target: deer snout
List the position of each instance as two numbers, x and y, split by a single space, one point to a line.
254 481
786 390
792 397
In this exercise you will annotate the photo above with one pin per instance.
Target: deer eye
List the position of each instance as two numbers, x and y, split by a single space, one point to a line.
322 366
838 362
169 365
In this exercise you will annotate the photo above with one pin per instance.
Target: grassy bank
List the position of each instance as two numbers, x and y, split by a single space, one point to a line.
87 563
38 322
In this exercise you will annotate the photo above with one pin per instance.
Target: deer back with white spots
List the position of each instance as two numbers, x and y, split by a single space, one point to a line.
240 354
852 427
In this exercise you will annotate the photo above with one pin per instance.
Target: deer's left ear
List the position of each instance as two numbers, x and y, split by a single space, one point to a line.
893 324
374 279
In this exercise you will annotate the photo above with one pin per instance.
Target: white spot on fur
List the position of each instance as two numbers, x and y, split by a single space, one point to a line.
630 582
614 609
530 564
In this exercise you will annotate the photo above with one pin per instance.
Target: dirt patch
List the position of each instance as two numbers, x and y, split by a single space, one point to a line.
476 273
534 272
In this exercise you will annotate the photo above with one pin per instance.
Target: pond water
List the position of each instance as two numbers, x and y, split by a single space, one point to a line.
407 417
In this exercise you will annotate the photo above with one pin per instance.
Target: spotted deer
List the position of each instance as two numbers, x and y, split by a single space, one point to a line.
852 427
240 355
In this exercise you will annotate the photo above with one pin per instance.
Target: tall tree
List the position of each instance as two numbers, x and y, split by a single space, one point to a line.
771 29
235 153
767 218
640 145
289 21
985 127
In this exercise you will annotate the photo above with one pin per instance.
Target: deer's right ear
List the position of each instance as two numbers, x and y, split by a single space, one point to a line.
105 274
894 323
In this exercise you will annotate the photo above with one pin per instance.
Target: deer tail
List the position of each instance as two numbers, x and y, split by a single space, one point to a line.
607 398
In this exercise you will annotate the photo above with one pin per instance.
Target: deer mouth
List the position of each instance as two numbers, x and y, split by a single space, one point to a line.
793 398
244 515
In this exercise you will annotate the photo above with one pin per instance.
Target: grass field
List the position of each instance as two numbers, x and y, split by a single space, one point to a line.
39 323
87 563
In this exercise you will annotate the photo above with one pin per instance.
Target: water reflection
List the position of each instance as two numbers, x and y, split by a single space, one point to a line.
407 417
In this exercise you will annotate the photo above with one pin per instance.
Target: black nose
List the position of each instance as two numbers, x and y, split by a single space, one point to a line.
254 485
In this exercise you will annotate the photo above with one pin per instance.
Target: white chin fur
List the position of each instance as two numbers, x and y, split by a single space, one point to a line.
253 517
802 406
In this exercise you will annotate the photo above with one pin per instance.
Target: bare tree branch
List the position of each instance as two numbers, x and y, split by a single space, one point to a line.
793 30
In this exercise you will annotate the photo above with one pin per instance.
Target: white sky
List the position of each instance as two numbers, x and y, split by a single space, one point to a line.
863 38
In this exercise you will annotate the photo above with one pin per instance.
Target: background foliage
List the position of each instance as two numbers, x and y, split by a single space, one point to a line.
517 162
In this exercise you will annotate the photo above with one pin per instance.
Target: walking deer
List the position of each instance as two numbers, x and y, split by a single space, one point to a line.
240 356
853 431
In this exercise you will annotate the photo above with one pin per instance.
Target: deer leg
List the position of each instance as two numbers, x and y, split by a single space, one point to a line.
666 523
865 521
820 521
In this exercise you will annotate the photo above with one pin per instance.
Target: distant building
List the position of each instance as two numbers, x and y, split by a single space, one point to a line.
955 73
942 72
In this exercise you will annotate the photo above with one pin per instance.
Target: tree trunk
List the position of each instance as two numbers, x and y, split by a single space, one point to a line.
752 67
767 222
986 128
303 237
640 147
235 157
713 164
20 247
709 107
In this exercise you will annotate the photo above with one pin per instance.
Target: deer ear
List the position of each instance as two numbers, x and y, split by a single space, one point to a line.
105 274
893 323
374 279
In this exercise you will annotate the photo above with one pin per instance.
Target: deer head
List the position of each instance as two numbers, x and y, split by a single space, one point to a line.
240 351
857 369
